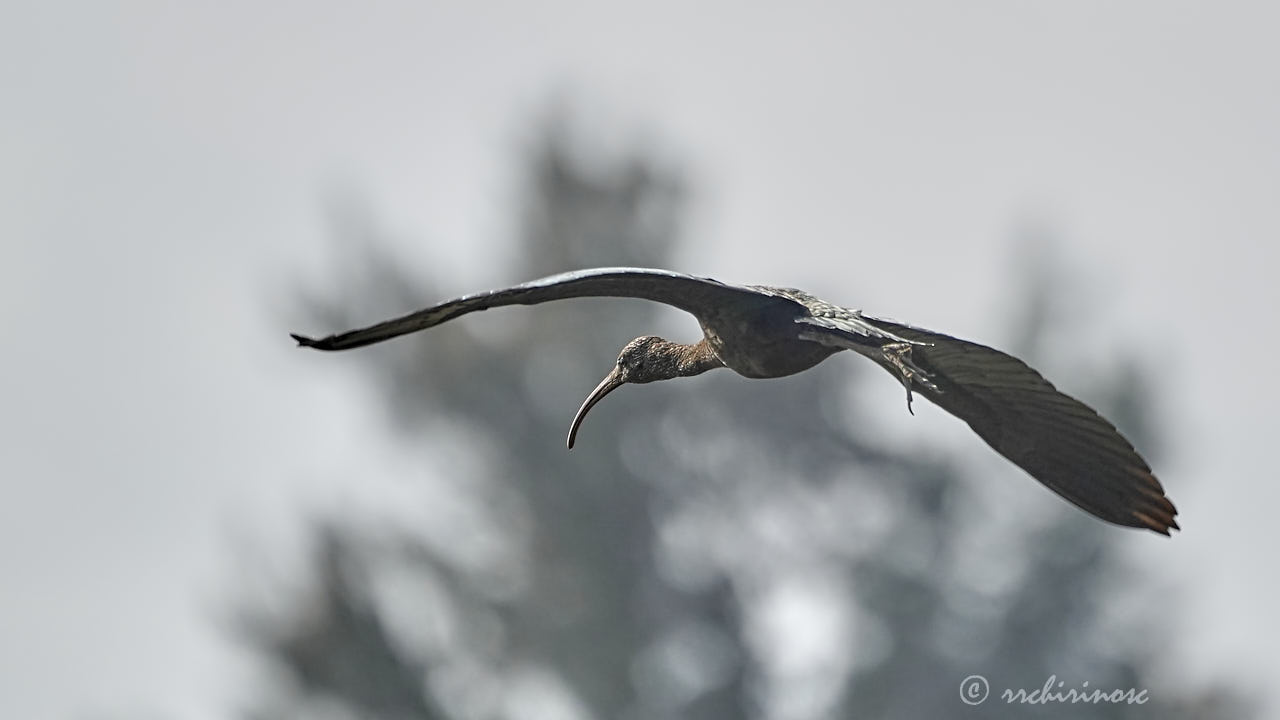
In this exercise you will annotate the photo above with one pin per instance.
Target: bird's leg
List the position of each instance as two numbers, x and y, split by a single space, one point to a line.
899 356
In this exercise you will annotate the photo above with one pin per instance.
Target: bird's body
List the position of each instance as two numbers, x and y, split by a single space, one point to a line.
762 343
767 332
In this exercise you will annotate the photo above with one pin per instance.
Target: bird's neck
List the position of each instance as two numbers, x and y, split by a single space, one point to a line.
694 359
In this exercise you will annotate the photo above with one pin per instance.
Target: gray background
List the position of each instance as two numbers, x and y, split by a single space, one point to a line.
164 172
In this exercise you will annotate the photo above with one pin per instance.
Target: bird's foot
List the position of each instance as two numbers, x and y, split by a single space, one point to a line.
899 356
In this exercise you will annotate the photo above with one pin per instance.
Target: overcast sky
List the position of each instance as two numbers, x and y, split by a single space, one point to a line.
163 177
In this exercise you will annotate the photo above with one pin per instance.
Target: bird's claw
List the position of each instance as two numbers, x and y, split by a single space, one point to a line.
899 356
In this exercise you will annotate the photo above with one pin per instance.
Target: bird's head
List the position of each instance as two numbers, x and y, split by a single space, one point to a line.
643 360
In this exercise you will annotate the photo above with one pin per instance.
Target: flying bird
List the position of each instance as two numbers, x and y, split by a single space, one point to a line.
766 332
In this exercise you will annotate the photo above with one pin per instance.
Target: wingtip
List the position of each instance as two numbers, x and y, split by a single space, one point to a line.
303 341
1162 525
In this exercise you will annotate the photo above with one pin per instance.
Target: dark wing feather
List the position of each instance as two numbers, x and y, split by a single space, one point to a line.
702 297
1057 439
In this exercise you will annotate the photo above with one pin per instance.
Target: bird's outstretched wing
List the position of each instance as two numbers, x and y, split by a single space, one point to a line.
1057 439
702 297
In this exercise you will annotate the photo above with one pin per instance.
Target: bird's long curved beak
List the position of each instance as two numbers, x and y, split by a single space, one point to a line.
611 382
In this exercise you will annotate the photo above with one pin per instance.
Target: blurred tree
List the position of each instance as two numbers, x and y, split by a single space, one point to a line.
1034 600
724 550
